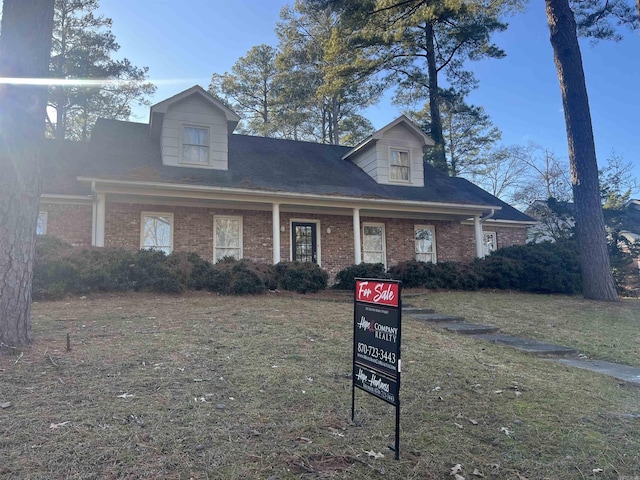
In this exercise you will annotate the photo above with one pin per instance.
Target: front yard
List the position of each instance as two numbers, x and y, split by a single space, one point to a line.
205 386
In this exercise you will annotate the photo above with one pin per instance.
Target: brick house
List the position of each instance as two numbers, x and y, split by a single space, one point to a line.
185 182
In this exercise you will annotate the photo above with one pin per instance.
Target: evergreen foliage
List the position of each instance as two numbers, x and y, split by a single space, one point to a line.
301 277
60 269
416 42
82 49
345 278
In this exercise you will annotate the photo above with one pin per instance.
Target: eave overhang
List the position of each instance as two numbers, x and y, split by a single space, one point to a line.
264 198
66 199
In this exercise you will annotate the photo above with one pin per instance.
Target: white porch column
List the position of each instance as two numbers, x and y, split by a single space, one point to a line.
276 233
356 237
479 237
99 212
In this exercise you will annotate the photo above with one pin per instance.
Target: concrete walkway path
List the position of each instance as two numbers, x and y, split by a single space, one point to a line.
565 355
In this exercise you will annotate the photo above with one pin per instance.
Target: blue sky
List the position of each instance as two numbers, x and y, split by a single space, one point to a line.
183 43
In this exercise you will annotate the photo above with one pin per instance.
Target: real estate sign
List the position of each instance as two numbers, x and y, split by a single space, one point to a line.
376 342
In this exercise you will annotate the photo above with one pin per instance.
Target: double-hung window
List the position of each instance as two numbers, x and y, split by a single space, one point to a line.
373 243
195 145
399 165
489 243
425 241
227 237
41 225
157 231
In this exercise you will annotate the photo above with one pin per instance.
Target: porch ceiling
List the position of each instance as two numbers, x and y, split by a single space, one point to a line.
309 204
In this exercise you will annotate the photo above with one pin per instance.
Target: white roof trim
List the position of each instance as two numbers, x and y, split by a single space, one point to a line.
164 105
273 196
378 134
503 223
70 199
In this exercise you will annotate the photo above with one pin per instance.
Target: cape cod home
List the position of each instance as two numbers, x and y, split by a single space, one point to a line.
186 182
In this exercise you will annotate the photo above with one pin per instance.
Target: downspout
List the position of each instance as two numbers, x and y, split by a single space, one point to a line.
488 215
93 214
98 217
477 223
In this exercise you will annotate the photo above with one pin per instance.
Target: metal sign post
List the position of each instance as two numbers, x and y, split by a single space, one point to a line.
377 315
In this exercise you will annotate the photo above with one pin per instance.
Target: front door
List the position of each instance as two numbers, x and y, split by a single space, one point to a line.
303 241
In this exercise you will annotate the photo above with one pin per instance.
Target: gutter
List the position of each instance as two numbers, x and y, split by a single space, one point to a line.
488 216
298 198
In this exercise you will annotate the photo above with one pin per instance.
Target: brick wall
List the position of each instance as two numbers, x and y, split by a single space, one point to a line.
193 229
193 232
335 239
507 237
71 223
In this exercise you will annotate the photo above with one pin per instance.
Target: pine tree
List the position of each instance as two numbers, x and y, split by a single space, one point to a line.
468 132
24 53
590 230
417 42
82 47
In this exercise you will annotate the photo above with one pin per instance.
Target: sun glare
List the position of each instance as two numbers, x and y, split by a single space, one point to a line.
94 82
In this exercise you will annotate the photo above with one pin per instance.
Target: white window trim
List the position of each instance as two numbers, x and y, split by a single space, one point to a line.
45 221
435 248
485 250
241 233
384 241
318 237
399 149
181 159
157 214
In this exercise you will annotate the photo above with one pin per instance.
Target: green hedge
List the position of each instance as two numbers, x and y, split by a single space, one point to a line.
60 269
301 277
345 279
539 268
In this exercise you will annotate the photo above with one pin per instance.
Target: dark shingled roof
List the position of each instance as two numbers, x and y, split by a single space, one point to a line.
123 151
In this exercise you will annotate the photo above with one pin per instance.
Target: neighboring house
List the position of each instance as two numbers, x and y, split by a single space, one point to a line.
185 182
558 222
553 221
630 228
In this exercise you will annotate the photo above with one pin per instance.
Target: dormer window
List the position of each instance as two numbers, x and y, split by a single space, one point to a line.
195 145
399 165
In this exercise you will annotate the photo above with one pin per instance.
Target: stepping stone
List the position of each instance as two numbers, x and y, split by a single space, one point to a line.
464 328
436 317
412 310
621 372
527 345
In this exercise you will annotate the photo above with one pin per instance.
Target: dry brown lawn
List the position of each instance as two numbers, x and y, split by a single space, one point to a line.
203 386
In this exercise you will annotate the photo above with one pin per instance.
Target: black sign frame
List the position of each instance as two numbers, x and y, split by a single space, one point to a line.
377 329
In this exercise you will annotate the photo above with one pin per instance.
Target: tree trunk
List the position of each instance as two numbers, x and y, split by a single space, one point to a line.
598 281
25 47
438 156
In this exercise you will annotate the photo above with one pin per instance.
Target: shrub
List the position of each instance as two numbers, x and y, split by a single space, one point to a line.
150 272
234 277
301 277
200 271
499 272
542 267
103 270
61 269
50 275
345 278
414 274
458 276
450 275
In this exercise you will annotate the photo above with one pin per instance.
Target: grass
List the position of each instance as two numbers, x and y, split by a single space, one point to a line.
203 386
601 330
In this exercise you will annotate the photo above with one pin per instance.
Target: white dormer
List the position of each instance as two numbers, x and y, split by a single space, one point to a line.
193 129
393 154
